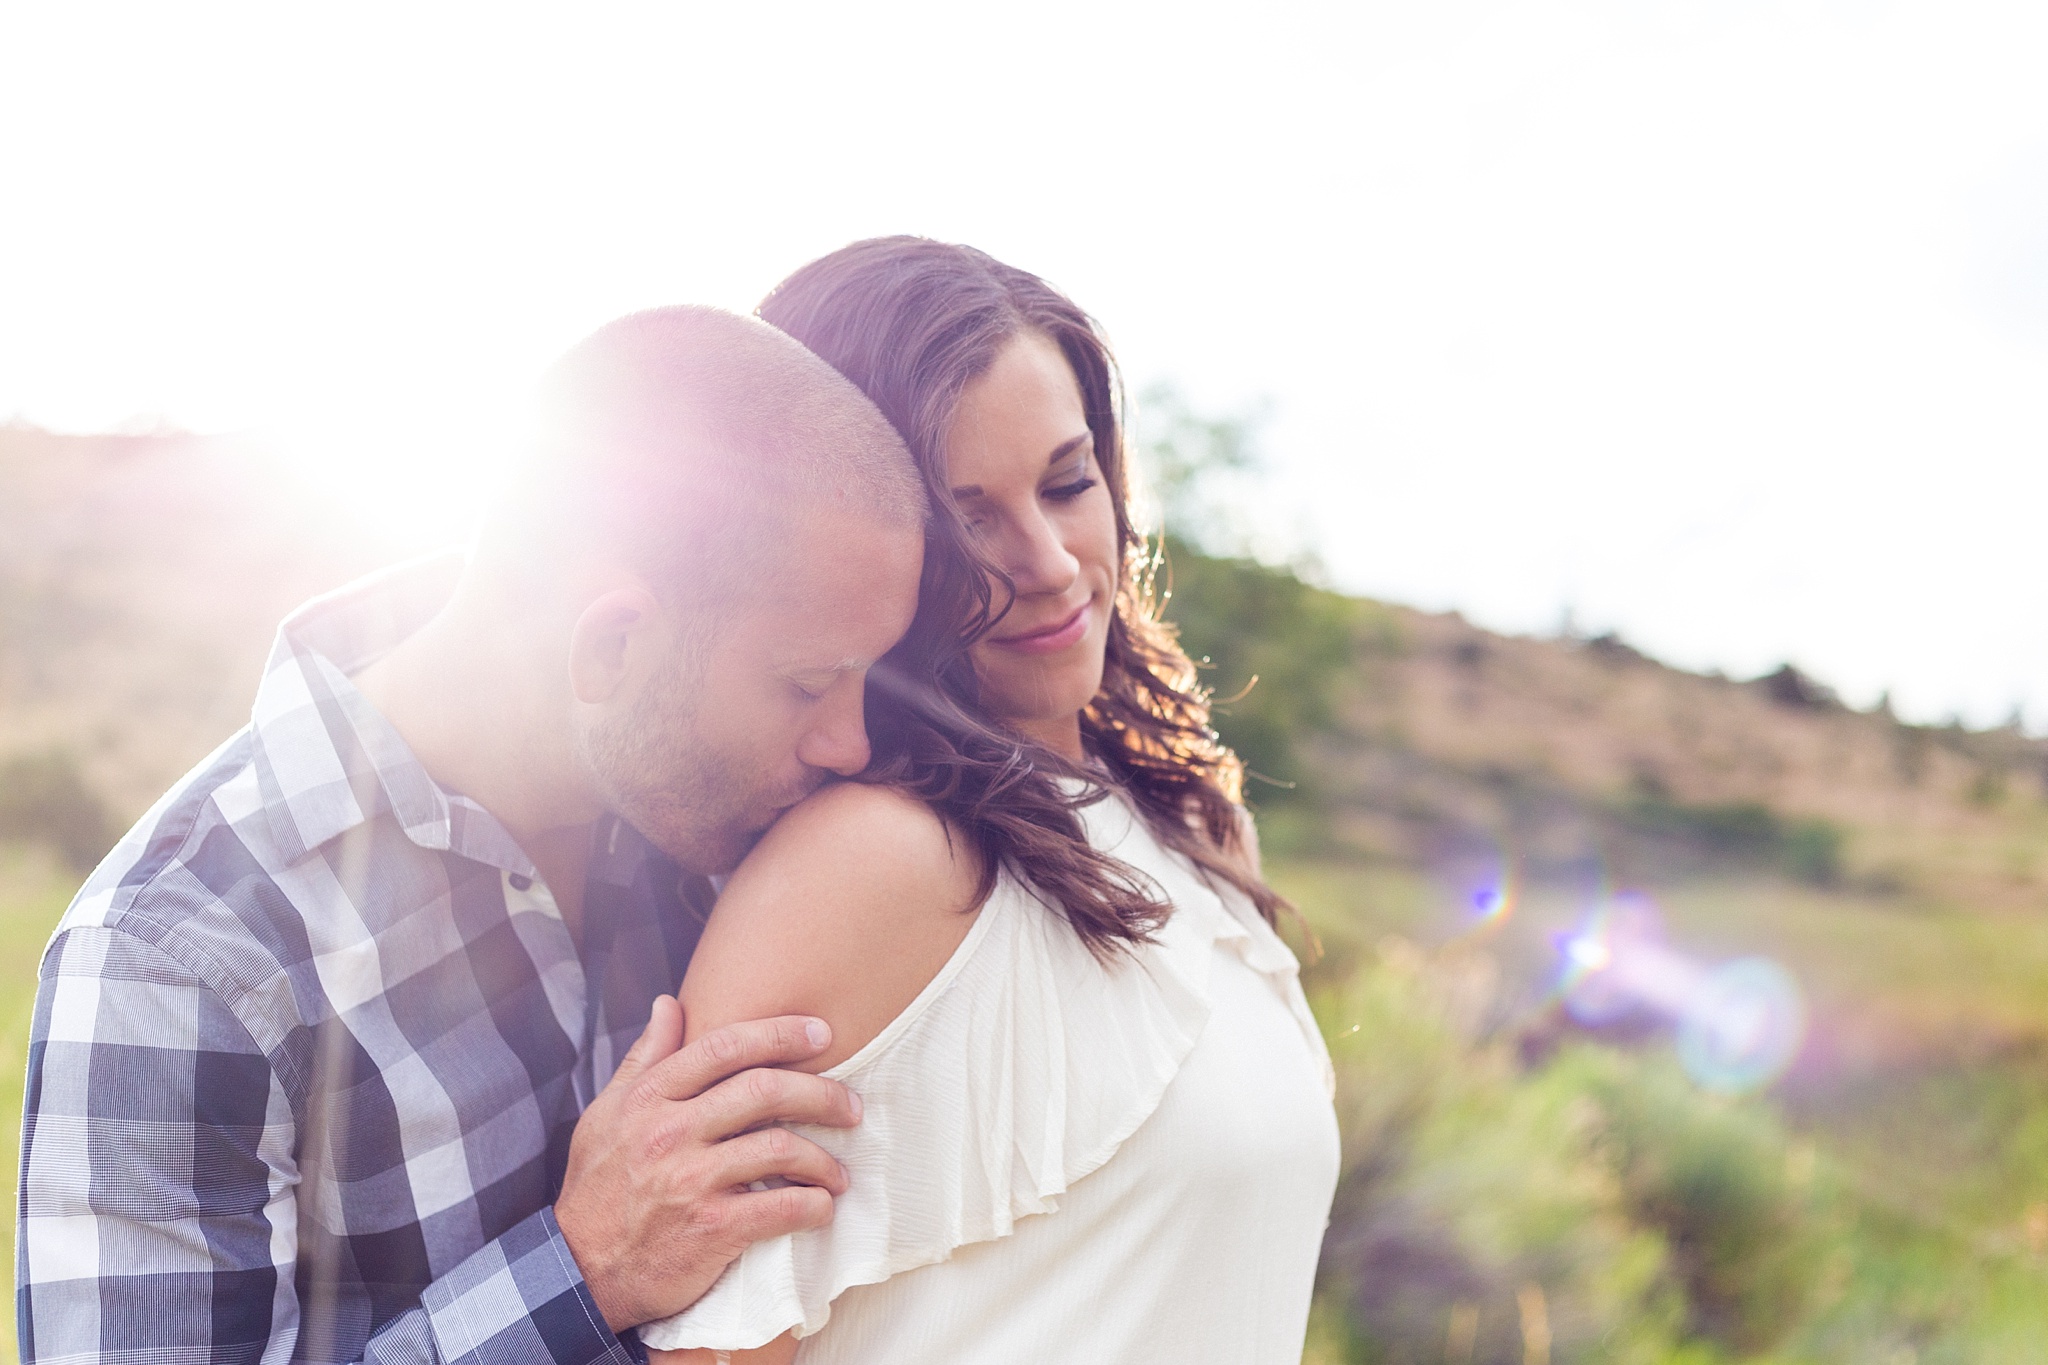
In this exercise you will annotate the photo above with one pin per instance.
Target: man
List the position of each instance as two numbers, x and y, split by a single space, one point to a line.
323 1056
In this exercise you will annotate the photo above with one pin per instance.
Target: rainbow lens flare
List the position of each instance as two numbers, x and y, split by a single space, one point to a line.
1489 902
1743 1027
1740 1024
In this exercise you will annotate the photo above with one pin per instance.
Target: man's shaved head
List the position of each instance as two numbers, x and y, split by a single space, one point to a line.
713 538
684 441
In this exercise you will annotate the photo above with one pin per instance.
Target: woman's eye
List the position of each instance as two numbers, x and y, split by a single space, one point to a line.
1067 492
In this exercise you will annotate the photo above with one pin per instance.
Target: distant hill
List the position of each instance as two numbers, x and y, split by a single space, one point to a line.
1494 1160
1414 734
141 578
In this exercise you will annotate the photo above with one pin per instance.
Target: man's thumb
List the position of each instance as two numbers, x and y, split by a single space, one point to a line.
662 1037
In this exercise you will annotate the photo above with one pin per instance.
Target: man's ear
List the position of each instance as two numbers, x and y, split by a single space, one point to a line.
602 642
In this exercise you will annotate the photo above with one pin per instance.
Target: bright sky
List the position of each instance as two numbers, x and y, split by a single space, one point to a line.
1725 325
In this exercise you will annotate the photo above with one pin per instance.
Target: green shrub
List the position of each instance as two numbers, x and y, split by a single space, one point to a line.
1739 830
1278 651
1811 851
1732 1196
44 798
1476 1206
1742 832
1639 1218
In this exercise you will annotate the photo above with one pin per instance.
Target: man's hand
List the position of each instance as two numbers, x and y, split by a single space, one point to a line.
655 1201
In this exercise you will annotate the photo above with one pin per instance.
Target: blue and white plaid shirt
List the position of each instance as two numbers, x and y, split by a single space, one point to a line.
310 1044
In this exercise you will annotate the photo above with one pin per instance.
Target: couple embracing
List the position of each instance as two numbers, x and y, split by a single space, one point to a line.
778 898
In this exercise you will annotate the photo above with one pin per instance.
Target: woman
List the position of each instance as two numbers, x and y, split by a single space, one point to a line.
1097 1120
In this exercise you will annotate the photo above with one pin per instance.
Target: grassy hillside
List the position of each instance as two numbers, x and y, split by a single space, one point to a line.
1518 1187
34 885
1420 741
1514 1177
141 579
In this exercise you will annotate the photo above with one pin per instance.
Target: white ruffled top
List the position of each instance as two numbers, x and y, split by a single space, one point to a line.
1062 1158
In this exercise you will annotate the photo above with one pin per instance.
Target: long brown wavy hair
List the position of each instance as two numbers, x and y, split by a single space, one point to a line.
913 322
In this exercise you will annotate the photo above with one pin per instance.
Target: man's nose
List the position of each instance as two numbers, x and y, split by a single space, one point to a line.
838 743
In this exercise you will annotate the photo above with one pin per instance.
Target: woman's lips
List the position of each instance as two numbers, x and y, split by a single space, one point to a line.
1053 638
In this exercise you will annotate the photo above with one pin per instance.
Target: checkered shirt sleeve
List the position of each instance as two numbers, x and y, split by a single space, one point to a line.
159 1220
310 1046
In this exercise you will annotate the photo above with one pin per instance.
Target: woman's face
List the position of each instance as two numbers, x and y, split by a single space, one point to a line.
1021 463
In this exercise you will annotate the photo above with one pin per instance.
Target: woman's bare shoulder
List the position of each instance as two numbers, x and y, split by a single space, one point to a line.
846 909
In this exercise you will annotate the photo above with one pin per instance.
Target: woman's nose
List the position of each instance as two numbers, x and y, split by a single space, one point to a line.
1040 560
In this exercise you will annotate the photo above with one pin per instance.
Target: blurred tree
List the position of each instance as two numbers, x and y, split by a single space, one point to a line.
1277 648
1736 1200
1741 833
1475 1199
44 797
1601 1203
1193 463
1278 651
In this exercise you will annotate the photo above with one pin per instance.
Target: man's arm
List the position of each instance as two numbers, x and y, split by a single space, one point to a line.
160 1180
157 1165
656 1201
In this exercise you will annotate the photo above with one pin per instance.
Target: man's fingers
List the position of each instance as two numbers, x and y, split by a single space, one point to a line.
662 1036
761 1214
777 1152
754 1099
736 1048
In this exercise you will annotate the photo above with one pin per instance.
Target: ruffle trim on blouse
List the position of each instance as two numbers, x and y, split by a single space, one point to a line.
994 1092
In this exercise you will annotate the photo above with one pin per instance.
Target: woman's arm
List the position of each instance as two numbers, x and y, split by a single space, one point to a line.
846 910
780 1351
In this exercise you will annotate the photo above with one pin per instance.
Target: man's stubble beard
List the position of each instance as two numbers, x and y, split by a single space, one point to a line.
654 768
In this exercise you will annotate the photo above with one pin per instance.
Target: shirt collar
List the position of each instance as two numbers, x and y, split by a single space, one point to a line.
326 759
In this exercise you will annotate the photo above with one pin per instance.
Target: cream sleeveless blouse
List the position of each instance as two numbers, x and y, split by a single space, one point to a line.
1062 1159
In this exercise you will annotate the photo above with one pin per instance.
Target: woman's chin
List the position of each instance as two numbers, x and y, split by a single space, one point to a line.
1041 695
1045 714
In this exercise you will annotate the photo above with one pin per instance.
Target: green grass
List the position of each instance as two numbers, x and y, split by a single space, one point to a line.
1921 976
1899 980
1887 1202
1914 1171
34 889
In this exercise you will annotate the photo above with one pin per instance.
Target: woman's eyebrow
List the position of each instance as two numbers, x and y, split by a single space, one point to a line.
1059 452
1069 446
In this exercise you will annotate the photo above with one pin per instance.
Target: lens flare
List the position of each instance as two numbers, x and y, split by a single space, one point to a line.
1740 1024
1743 1027
1597 959
1495 902
1590 954
1486 902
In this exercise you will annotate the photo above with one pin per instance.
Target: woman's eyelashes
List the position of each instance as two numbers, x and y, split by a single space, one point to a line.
1065 486
1072 482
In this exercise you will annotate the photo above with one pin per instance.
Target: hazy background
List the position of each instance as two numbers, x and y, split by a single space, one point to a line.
1722 325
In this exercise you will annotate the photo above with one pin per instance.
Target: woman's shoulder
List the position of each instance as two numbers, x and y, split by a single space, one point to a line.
848 907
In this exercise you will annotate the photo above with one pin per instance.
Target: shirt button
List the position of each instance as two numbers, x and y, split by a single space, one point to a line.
520 881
